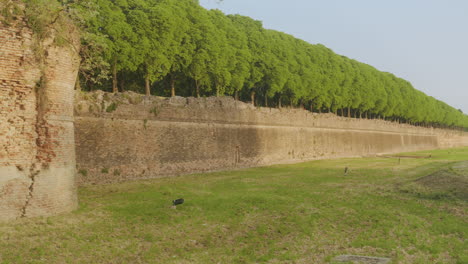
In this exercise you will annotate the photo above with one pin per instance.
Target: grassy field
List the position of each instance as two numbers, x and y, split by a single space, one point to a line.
407 210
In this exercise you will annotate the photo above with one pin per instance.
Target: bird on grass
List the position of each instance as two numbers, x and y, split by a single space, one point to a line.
177 202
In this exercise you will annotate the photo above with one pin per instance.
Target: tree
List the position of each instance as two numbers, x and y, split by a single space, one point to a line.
111 35
179 44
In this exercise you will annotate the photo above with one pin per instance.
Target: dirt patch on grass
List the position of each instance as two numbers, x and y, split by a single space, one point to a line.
451 182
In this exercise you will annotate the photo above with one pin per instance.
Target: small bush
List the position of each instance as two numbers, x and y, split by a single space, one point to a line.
154 111
111 108
105 170
10 11
116 172
83 172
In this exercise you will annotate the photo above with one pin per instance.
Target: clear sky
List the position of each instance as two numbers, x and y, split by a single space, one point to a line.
422 41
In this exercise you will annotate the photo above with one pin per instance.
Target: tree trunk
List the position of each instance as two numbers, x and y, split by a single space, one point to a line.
147 86
198 89
279 102
366 115
266 100
114 77
122 84
252 97
172 85
349 111
236 95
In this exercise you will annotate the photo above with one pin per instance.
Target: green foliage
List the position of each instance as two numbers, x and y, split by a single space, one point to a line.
105 170
154 110
178 46
83 172
41 15
9 11
112 107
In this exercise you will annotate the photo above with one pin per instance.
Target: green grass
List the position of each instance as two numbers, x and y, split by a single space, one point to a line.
302 213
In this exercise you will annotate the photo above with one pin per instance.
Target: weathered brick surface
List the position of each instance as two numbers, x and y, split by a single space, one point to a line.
153 137
37 157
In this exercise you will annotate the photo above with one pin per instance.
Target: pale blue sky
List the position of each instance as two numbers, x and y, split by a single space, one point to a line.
422 41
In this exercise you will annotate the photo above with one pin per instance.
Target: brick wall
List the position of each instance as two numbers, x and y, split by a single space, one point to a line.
151 137
37 157
154 137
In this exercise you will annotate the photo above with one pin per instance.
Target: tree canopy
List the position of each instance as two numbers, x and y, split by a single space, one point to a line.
176 47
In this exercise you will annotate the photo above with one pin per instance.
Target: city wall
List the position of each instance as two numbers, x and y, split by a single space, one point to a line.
129 136
49 132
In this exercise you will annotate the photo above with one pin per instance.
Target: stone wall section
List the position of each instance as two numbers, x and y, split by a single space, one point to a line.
129 136
37 156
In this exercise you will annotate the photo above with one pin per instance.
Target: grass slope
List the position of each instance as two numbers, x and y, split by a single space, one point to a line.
303 213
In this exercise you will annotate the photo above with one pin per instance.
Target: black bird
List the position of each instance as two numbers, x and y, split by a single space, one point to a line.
178 202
